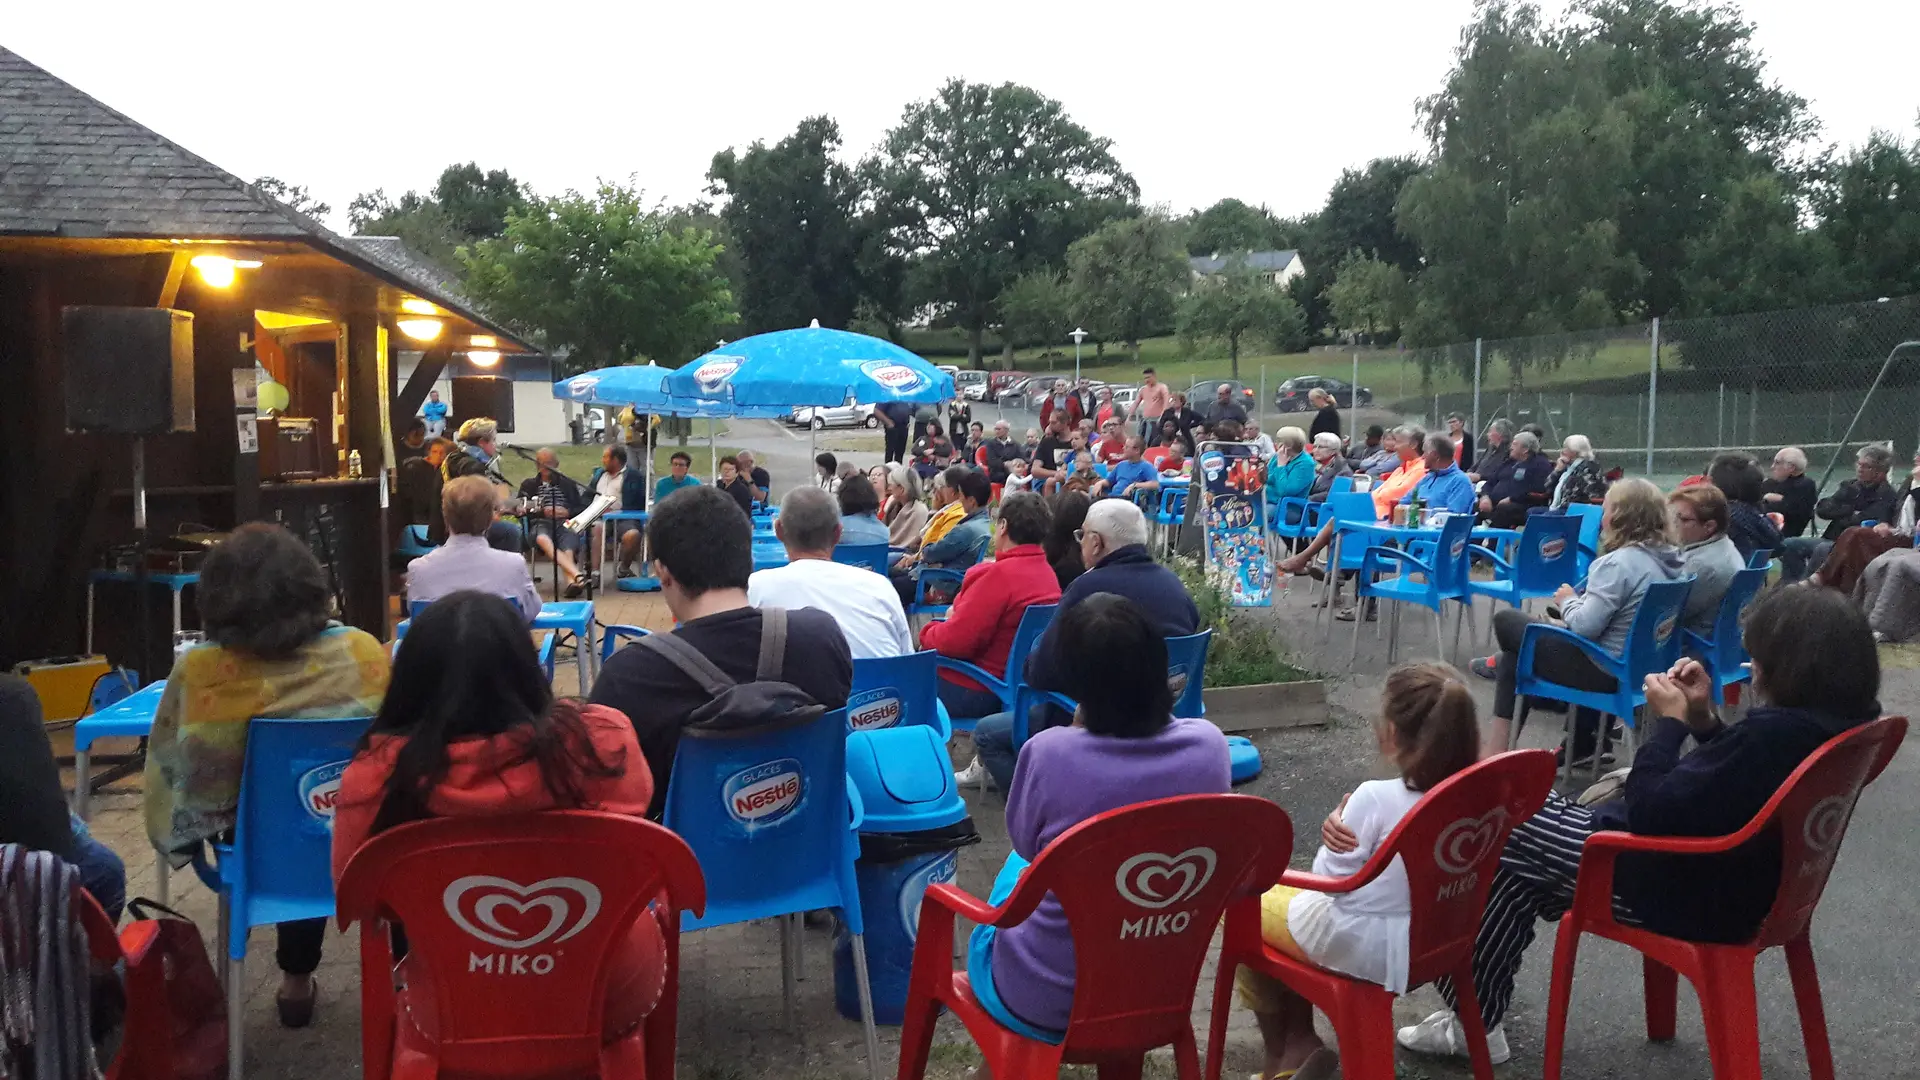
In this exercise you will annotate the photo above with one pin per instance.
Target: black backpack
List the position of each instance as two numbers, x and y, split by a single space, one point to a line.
738 708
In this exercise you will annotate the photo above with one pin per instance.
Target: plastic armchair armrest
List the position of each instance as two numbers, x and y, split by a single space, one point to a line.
1375 554
959 902
856 808
1501 566
936 575
994 683
1594 887
1024 698
1535 632
1690 641
546 652
1301 879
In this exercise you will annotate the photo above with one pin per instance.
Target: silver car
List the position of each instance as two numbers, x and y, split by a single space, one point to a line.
834 416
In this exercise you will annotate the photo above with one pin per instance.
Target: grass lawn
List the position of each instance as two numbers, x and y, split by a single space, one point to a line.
579 462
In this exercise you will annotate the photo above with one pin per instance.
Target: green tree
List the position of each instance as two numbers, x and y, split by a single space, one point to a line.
1756 256
790 211
1235 306
1124 278
1230 226
1868 205
604 277
1037 309
1368 296
980 184
477 203
294 197
464 206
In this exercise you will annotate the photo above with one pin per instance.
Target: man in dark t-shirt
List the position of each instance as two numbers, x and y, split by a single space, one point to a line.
1050 458
703 551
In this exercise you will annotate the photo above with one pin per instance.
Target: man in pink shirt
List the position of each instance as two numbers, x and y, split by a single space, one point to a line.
1153 400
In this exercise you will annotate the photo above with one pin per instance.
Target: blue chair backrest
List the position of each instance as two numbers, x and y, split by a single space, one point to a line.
116 685
1187 656
894 691
1033 623
415 607
1351 506
1653 642
1728 651
871 556
1340 484
768 815
281 867
1173 502
1549 554
1590 517
1763 557
1450 555
611 636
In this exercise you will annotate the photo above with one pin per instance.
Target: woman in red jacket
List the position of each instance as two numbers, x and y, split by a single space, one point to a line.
994 595
470 727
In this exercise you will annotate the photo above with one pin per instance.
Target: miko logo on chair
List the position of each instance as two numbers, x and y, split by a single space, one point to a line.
1463 846
877 708
1156 882
518 917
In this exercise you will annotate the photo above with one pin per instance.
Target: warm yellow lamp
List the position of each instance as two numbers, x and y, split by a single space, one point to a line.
420 329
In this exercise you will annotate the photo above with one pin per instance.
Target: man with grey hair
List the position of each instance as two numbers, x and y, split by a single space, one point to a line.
999 450
1866 497
862 602
1498 434
1063 401
1518 485
1113 545
1789 492
549 497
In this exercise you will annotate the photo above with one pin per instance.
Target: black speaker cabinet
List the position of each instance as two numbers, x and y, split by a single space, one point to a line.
129 370
483 395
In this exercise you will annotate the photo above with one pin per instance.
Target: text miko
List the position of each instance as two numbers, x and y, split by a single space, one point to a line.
510 963
1156 925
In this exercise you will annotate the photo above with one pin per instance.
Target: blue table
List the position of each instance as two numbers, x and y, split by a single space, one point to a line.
574 617
131 717
175 583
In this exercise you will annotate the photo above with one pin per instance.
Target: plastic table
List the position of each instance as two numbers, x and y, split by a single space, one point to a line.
175 583
574 617
131 716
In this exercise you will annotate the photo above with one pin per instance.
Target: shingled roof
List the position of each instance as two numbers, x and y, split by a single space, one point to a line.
71 166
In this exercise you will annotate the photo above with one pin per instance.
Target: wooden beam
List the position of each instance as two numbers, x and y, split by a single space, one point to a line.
408 401
176 272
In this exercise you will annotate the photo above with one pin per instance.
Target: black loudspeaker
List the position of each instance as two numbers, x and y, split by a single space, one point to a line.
490 396
129 370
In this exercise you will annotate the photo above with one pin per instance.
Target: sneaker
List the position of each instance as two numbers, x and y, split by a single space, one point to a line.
1442 1036
1483 666
974 775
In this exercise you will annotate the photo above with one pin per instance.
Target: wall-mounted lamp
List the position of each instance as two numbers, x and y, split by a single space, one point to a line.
420 329
415 306
218 270
483 357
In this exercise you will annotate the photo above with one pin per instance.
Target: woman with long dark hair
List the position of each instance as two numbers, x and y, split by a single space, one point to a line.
470 727
1062 546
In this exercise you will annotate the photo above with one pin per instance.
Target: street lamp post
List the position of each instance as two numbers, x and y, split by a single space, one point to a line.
1078 336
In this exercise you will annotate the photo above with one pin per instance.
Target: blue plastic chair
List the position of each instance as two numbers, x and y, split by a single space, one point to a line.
1653 644
414 608
1170 513
1300 517
279 866
896 691
571 617
1724 655
1350 548
1441 577
1590 517
775 824
1186 655
934 575
413 542
1033 623
1548 557
611 637
871 556
1762 558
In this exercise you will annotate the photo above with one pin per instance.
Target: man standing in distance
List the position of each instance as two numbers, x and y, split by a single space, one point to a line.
1153 400
895 417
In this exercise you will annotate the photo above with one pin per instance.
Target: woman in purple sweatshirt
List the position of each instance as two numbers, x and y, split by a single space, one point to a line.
1125 747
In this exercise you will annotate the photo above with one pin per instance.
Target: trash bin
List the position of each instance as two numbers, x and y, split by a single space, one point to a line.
915 825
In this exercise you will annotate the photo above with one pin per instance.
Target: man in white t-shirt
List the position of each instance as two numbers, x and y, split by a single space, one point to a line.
864 603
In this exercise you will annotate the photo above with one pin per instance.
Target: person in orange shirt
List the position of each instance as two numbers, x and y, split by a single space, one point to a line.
470 728
1405 441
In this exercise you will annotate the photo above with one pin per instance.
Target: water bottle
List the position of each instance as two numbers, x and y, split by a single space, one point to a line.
353 465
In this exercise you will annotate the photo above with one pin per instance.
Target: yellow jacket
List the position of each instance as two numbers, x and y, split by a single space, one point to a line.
942 522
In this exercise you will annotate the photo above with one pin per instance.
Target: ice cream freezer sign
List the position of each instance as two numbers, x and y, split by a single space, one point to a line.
765 794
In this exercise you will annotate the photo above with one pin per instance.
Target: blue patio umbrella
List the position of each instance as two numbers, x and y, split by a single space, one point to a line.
814 366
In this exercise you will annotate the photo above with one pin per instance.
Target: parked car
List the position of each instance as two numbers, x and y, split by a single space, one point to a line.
1017 391
1292 394
1203 392
971 384
998 381
834 416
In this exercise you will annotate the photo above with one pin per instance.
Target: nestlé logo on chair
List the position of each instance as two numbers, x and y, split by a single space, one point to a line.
320 791
764 794
870 709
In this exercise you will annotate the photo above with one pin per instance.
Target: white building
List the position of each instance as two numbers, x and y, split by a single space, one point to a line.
1276 268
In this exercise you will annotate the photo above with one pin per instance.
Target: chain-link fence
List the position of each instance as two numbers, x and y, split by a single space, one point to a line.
1661 398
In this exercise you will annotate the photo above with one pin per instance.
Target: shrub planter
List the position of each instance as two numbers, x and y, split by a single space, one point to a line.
1263 706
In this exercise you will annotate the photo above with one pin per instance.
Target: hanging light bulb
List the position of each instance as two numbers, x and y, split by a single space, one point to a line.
420 329
483 357
215 270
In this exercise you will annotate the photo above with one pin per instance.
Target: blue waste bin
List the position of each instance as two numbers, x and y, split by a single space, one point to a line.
916 823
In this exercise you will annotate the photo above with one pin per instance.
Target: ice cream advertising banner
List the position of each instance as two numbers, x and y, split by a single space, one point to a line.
1234 516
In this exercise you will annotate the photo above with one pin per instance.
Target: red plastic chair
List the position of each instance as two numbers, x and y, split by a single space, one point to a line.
1450 844
1809 814
1134 971
512 924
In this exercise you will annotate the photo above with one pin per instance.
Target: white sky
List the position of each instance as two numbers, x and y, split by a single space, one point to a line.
1262 101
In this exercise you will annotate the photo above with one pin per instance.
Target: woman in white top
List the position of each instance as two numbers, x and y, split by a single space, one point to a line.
826 469
1428 730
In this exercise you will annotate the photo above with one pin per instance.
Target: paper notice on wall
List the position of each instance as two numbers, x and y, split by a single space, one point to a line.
246 388
249 430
